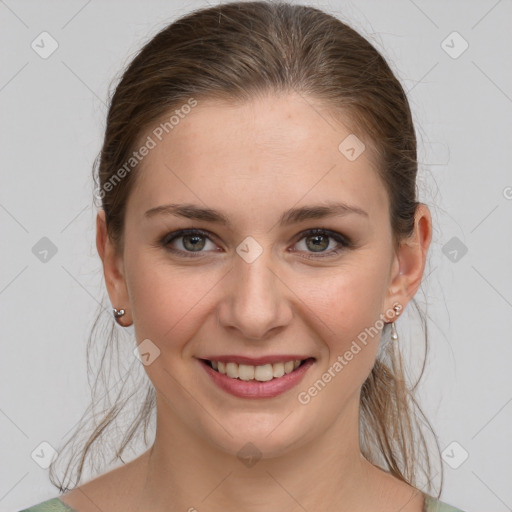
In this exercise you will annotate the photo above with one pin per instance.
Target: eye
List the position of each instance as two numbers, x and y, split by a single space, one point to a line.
190 243
318 240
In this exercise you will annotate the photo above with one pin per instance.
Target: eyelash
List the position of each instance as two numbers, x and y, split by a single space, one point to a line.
342 240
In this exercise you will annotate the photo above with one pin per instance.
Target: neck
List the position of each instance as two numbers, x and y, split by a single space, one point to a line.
183 471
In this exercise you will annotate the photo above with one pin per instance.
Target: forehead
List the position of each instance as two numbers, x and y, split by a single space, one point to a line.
266 154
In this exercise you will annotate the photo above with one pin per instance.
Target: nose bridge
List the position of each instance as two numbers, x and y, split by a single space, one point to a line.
255 303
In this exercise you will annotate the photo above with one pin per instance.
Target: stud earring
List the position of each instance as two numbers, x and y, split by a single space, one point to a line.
118 313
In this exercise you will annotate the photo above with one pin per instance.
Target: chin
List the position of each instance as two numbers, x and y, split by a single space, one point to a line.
259 434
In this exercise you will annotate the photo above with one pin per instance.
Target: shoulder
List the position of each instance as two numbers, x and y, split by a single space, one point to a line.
53 505
434 505
113 491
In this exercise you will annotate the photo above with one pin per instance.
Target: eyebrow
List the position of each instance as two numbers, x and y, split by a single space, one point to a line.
292 216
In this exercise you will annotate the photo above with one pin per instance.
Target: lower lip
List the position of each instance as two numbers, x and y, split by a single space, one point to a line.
254 388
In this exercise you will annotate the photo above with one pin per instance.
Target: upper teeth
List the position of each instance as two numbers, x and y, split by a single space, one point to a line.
262 373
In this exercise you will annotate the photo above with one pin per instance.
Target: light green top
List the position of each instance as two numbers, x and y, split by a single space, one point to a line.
53 505
434 505
56 505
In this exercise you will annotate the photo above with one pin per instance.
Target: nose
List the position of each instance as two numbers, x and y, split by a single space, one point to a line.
256 301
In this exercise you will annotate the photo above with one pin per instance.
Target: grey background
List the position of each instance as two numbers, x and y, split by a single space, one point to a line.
52 120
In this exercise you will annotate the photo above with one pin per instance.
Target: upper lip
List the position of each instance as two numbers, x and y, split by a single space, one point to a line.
257 361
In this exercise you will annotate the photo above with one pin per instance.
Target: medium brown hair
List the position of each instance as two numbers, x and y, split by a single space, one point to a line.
235 52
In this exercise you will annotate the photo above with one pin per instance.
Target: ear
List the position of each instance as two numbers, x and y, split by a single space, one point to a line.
409 262
113 269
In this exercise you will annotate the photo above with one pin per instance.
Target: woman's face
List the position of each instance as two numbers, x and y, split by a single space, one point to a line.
259 286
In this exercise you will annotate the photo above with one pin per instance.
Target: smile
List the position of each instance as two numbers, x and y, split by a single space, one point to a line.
257 381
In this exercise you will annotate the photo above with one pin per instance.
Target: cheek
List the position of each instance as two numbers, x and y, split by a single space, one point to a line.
351 298
347 305
167 301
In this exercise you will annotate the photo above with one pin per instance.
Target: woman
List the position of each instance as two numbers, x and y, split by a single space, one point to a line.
260 230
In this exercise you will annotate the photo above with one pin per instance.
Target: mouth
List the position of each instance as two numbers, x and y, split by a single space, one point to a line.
264 380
